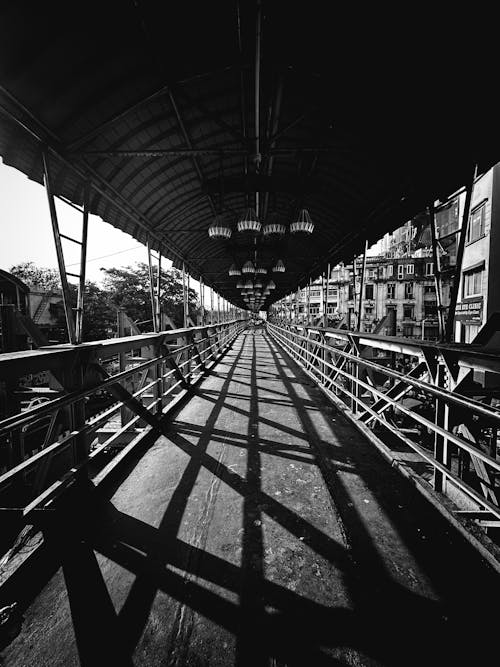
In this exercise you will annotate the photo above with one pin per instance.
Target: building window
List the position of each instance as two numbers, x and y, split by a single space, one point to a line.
408 290
429 268
408 312
430 309
391 290
429 289
368 291
313 310
351 293
401 271
410 269
390 270
407 330
315 293
368 310
473 281
476 224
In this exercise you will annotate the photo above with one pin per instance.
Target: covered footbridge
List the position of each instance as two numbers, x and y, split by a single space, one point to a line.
262 490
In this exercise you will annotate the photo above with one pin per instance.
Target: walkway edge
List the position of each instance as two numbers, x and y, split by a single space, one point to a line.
487 551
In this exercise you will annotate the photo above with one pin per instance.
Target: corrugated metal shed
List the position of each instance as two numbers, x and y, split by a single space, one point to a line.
366 117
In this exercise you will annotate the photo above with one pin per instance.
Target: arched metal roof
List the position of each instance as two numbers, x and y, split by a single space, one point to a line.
365 118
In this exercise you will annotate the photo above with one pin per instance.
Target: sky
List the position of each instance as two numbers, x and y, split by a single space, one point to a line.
27 231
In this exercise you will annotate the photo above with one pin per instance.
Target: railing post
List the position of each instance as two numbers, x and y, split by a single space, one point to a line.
354 366
441 419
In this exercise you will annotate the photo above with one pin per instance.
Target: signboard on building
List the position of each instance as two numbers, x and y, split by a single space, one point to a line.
470 311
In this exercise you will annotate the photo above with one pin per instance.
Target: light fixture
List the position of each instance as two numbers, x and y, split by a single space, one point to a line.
240 284
271 228
219 230
234 270
303 223
271 285
279 267
266 292
249 222
248 267
249 285
258 284
260 269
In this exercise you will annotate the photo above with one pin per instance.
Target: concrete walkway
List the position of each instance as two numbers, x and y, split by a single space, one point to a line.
261 529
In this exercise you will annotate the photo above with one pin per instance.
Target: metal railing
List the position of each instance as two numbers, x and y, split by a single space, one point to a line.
65 431
428 404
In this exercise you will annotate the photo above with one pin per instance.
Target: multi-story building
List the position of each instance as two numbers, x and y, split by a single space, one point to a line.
399 296
399 290
479 288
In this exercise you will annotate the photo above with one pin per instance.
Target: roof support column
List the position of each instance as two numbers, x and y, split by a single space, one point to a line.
83 264
361 286
70 322
437 273
325 322
152 287
450 320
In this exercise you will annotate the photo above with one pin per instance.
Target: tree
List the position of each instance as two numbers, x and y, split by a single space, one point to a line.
99 313
39 276
129 289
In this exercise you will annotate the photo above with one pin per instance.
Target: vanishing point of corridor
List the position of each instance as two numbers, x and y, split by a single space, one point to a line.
260 529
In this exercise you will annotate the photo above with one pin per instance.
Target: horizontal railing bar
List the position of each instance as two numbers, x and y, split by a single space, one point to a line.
468 355
58 356
444 394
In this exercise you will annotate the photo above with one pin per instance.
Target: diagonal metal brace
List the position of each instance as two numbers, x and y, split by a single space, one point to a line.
121 394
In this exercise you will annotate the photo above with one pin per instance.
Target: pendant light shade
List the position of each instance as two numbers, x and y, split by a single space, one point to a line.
261 270
271 285
274 228
279 267
249 222
248 267
249 285
240 284
234 270
219 230
266 292
303 223
258 284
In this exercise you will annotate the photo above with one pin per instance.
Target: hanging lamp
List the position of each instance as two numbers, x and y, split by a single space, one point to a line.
303 223
271 285
249 222
249 285
248 267
219 230
279 267
234 270
274 228
240 284
261 270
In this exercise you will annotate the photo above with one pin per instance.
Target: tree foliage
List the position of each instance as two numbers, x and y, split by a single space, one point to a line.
37 276
124 288
129 289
